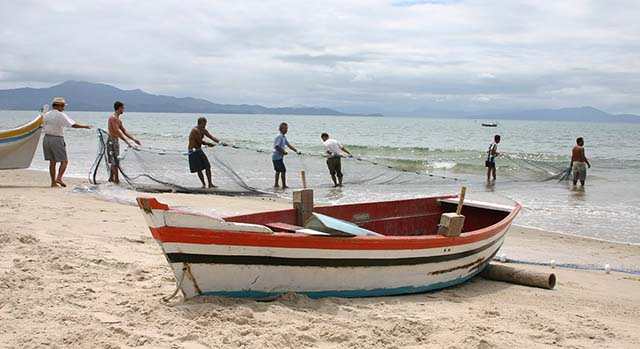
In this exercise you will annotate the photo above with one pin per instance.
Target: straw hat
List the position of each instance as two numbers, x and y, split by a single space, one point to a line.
59 100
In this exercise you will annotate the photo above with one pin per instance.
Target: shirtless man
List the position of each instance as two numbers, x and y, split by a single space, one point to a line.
198 160
116 133
579 162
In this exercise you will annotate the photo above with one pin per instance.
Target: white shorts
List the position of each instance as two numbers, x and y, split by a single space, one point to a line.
579 170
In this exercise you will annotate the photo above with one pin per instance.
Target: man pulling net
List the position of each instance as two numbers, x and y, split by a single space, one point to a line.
198 160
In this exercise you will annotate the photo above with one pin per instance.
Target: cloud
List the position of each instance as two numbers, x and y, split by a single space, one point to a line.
408 3
361 55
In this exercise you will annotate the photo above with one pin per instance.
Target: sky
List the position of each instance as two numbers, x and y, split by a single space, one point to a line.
398 57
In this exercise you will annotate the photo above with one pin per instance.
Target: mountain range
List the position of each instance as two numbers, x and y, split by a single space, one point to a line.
88 96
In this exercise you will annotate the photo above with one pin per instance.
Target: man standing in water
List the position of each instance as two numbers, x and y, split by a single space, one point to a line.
53 145
117 132
490 163
334 151
579 162
198 160
279 152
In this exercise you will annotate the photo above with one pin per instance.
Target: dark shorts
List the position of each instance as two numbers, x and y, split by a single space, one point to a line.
198 161
113 152
278 165
54 148
335 166
490 164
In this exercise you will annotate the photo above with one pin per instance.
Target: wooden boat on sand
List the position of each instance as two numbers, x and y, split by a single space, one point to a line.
354 250
18 145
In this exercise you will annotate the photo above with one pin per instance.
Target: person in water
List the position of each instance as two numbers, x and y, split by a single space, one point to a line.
198 160
333 150
492 153
579 162
279 143
116 133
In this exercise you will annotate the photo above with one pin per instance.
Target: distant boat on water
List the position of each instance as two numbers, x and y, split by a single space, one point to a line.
489 124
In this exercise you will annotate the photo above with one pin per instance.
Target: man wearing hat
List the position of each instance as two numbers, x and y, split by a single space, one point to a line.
53 145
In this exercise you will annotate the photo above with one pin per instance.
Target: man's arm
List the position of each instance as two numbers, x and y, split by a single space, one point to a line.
280 150
573 157
73 124
126 133
293 148
346 151
494 151
585 158
217 140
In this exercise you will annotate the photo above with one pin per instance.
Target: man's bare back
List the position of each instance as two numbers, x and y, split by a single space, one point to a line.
577 154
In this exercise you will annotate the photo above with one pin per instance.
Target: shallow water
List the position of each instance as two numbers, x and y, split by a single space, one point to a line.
608 208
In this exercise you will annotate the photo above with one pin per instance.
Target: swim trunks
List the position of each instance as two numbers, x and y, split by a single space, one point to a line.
579 170
198 160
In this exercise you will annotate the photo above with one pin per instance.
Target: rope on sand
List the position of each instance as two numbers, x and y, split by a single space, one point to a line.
179 284
553 264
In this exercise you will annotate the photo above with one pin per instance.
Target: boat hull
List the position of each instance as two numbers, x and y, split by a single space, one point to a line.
209 258
17 146
324 273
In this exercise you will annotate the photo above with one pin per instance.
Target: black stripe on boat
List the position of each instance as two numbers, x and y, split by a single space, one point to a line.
319 262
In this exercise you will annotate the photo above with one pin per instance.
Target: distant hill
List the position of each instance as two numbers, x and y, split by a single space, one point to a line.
87 96
564 114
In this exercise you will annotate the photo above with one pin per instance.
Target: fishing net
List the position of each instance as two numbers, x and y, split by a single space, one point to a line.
240 170
533 167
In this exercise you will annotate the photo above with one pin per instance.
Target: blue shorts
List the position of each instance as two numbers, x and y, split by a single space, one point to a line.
278 165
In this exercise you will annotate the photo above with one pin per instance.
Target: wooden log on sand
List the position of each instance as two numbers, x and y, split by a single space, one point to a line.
519 276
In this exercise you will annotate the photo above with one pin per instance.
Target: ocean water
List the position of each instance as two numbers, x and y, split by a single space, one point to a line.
607 208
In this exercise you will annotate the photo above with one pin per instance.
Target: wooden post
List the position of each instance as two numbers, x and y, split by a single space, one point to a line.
304 180
519 276
451 223
303 203
461 201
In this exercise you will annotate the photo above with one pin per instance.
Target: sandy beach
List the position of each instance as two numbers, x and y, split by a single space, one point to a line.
82 272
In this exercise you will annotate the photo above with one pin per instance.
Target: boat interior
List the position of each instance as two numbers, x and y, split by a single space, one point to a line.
410 217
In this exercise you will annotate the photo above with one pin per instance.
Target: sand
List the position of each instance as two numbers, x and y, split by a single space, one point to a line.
78 271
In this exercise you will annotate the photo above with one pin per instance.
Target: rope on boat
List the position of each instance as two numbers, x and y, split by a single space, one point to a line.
553 264
166 299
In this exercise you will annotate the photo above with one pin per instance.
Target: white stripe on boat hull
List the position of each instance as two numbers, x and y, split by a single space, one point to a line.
212 249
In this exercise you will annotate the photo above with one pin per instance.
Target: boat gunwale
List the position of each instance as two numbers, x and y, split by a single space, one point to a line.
26 128
171 234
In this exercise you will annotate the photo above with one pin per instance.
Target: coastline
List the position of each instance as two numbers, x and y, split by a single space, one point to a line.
79 271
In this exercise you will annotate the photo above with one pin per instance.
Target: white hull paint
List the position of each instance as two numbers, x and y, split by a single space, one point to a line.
19 154
267 280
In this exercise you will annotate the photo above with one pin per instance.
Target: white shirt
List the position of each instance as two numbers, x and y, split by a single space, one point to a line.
55 122
333 146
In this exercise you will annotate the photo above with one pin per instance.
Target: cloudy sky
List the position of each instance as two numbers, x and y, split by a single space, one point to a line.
394 57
